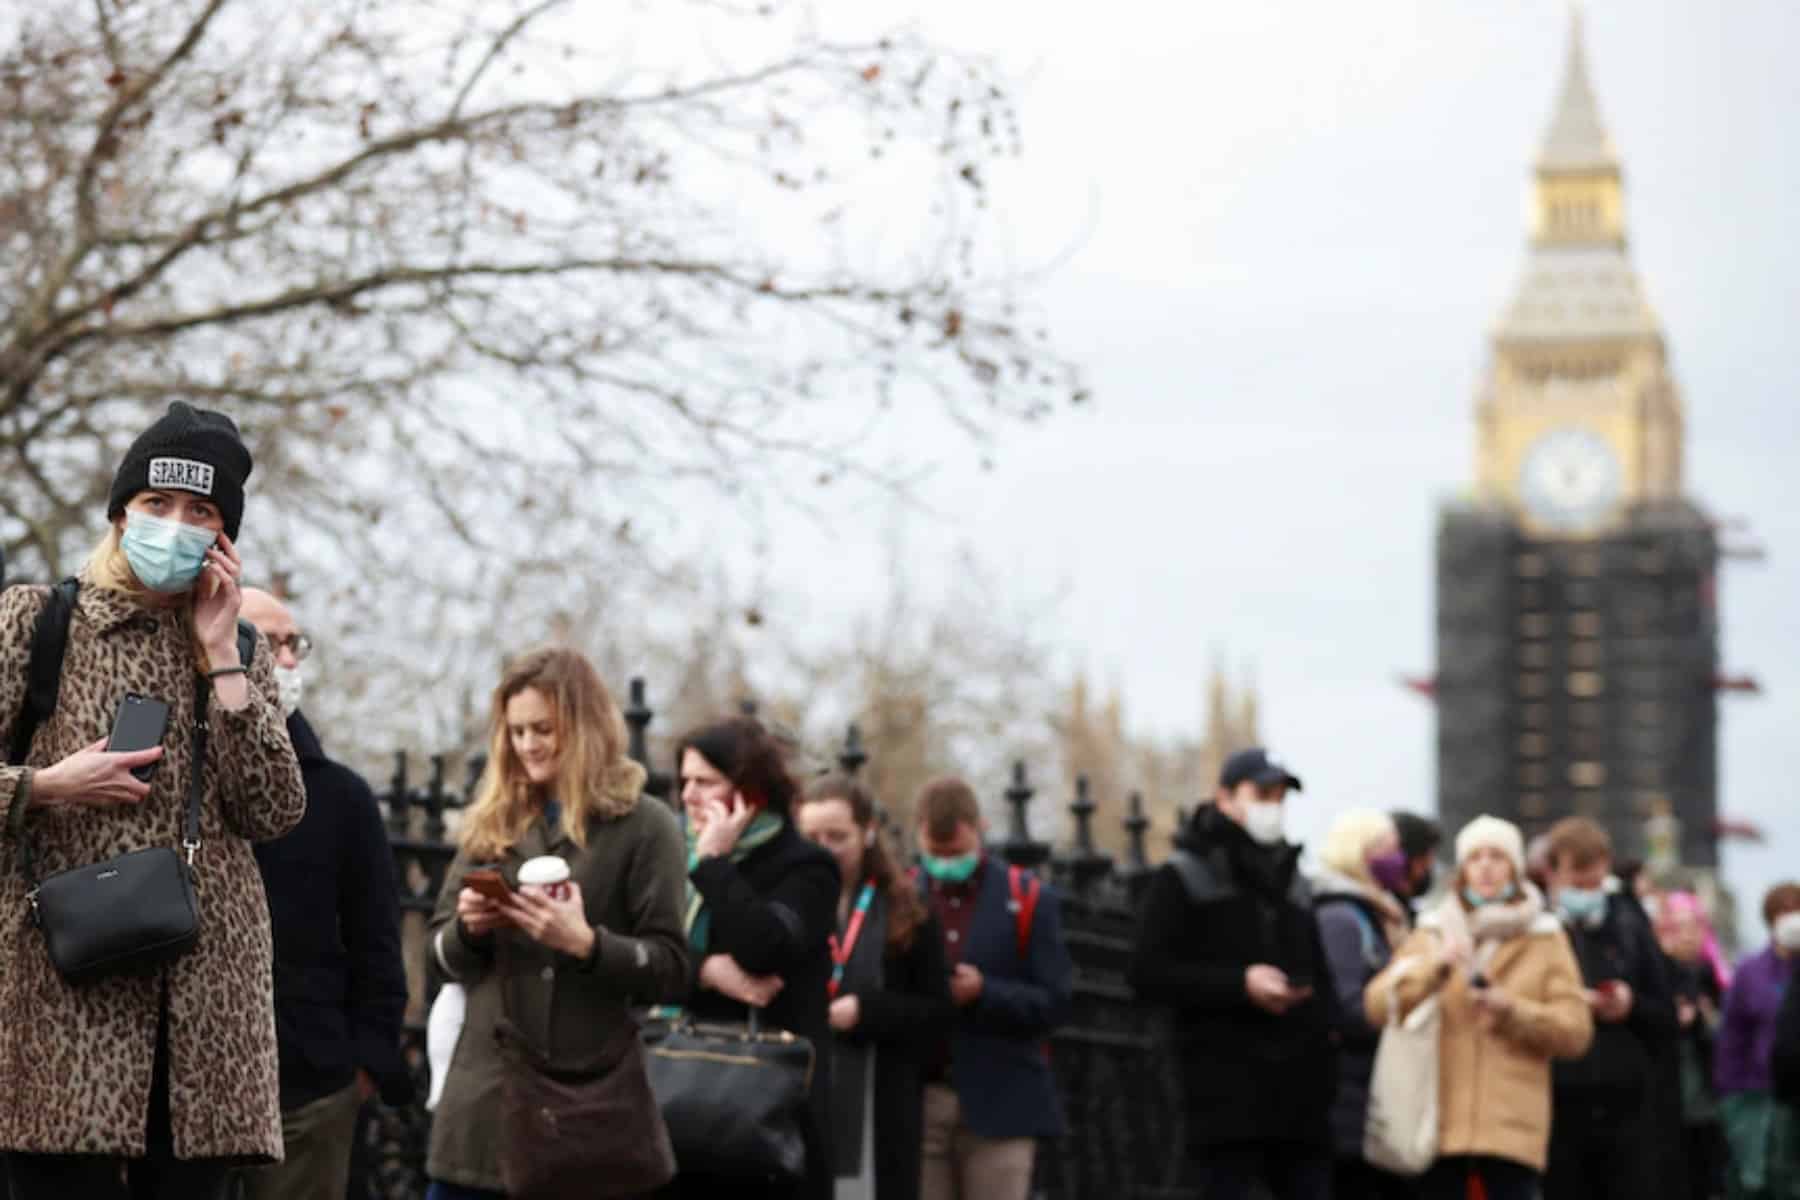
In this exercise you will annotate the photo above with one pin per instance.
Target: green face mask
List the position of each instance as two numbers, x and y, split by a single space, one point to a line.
951 870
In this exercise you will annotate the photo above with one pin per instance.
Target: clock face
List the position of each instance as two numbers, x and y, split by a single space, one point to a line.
1570 479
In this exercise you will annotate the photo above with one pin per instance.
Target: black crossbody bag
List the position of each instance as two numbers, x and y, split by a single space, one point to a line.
129 914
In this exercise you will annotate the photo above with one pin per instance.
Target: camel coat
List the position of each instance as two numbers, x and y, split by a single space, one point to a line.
76 1061
1494 1081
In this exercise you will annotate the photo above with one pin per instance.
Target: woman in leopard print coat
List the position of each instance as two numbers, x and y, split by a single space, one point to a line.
172 1074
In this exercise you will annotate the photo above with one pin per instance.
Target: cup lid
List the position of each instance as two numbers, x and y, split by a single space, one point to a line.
545 869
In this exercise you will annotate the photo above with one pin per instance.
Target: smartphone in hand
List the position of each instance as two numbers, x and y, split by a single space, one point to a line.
489 882
139 724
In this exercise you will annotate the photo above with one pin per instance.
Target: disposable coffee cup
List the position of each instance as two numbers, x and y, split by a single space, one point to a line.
547 874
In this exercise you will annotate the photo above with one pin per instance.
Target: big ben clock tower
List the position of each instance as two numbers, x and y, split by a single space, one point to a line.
1577 644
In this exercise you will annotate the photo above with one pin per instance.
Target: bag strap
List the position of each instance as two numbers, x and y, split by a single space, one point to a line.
1025 903
190 822
43 677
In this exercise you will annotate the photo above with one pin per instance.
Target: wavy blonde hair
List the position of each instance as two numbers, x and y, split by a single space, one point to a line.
590 742
1346 848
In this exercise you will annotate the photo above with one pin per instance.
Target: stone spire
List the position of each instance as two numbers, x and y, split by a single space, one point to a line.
1576 138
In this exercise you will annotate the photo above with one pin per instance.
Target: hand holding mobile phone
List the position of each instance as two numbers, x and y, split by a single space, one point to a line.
489 883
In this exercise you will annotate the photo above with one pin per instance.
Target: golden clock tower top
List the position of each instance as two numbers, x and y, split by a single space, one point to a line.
1578 421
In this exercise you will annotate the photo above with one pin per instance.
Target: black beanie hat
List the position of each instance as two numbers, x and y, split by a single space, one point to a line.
191 450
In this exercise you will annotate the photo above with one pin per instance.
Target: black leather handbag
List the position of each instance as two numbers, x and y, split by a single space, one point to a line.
734 1097
129 914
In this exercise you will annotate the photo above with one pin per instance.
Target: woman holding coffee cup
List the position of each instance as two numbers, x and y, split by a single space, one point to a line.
109 1078
561 913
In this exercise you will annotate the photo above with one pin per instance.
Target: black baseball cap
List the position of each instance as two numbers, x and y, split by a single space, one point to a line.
1257 766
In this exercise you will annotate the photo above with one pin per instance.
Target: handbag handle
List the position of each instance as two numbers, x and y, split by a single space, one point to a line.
190 820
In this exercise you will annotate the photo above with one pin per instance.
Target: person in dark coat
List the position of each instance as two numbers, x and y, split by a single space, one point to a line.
990 1095
1360 922
1699 977
1785 1062
1607 1114
1420 838
762 904
1227 938
340 983
890 997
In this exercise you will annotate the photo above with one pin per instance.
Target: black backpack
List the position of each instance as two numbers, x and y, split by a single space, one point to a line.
43 680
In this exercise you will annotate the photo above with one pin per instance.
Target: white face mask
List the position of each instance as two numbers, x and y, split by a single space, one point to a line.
1263 821
289 682
1787 931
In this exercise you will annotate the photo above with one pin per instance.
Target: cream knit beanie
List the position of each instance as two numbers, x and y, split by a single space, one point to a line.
1503 836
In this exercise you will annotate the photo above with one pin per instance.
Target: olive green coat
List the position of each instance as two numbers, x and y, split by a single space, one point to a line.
632 875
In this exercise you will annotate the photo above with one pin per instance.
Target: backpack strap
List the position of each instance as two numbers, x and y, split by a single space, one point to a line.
1026 889
43 678
1371 940
1205 878
246 642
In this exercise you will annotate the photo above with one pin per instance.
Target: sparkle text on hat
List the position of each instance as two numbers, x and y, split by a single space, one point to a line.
183 473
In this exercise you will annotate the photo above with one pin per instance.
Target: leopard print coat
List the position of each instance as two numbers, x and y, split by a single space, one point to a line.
75 1062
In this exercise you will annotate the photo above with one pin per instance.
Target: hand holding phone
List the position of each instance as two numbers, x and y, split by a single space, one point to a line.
479 903
93 777
1611 1000
489 883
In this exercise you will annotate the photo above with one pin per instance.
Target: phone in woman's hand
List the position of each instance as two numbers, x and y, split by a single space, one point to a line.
489 882
139 724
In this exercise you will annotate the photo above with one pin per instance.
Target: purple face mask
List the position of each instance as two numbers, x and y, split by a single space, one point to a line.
1389 870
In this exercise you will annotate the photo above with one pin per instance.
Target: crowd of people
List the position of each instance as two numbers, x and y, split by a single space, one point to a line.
1587 1039
201 978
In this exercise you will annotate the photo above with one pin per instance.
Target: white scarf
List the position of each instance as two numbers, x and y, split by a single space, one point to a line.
1489 927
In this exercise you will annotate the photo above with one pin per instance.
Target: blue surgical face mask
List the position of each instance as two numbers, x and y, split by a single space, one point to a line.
166 556
1475 899
1582 906
951 870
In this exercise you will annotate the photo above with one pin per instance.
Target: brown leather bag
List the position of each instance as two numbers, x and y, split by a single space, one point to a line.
567 1132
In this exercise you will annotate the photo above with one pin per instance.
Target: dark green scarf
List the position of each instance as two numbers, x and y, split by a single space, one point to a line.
762 829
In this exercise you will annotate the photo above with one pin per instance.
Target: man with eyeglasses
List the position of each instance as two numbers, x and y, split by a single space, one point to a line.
1227 938
340 984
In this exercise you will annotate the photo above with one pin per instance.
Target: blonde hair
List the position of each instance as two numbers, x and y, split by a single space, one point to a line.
590 740
1346 848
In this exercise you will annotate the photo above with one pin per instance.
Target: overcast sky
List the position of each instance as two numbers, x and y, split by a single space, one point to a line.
1292 225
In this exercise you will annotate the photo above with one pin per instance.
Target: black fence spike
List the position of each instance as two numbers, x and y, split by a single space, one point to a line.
1137 826
472 773
638 715
852 757
435 800
1020 848
1082 809
397 798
